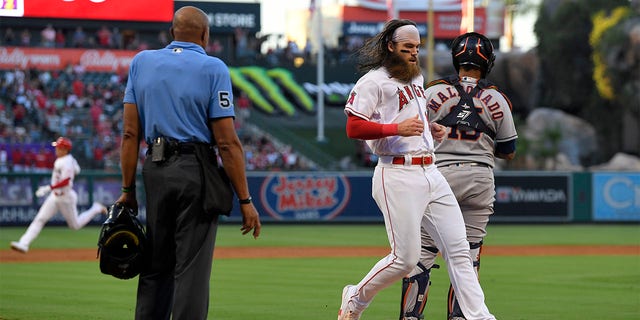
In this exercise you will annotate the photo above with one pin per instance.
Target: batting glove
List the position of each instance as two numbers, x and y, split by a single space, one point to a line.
43 191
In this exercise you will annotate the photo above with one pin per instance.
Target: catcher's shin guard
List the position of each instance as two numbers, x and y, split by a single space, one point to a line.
453 309
414 293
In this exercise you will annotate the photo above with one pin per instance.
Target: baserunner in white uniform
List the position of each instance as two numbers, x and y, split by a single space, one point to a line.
62 198
387 108
480 128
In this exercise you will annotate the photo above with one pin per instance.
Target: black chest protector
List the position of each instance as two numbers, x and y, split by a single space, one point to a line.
464 116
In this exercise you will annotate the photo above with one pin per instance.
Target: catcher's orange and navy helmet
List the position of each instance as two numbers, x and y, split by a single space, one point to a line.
62 142
474 49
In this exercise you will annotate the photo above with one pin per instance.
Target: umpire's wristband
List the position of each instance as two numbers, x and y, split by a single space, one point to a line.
245 201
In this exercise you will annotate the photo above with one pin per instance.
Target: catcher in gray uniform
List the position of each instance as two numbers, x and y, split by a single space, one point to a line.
480 128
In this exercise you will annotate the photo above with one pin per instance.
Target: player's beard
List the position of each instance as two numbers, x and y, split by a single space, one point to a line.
400 69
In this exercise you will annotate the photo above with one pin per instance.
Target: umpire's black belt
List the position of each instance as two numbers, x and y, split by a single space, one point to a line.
177 148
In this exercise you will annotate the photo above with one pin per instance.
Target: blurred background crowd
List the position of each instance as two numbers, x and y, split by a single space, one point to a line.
38 106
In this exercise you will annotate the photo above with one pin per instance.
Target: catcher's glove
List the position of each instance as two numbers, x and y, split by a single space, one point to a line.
121 243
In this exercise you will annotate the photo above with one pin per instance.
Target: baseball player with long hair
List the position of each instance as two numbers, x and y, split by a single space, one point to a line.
387 108
61 197
480 128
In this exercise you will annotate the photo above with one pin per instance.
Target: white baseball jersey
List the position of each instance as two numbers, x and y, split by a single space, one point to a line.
64 167
377 97
474 146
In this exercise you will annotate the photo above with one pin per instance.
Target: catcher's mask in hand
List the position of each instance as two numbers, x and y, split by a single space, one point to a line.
121 243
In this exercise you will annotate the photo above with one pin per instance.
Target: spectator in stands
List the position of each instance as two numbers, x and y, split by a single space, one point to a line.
141 45
15 78
52 120
9 38
78 70
41 161
4 159
37 94
243 104
48 36
29 159
241 42
25 38
98 156
18 159
60 39
95 112
19 113
104 37
44 77
290 158
129 39
116 38
78 86
163 39
292 50
79 38
215 48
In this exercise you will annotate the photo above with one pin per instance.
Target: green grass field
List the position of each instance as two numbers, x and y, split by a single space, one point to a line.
516 287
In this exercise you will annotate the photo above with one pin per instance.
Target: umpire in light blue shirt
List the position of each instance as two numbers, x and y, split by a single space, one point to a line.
179 99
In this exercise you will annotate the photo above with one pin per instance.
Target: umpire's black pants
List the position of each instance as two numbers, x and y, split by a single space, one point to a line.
180 242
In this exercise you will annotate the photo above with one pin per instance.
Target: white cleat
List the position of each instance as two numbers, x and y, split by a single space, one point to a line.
347 308
17 246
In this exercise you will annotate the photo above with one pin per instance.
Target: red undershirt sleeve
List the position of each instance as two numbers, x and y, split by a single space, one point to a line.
358 128
61 183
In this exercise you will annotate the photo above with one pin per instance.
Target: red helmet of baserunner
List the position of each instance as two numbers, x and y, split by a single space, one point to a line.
62 142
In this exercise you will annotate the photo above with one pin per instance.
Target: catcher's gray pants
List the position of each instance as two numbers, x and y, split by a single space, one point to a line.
175 280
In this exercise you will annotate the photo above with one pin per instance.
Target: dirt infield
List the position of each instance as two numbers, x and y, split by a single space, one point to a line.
57 255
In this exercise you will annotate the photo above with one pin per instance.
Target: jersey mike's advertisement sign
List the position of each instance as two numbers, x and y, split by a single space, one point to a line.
122 10
532 197
616 196
312 197
304 197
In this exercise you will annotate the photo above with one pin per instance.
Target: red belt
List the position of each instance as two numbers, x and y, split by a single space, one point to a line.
426 160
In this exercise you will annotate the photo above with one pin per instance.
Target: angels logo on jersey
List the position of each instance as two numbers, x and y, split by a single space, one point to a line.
407 93
352 97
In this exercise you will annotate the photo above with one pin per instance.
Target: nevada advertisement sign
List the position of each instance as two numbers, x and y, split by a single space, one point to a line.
532 197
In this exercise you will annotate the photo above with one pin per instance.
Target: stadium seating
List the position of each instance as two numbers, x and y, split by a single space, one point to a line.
36 106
